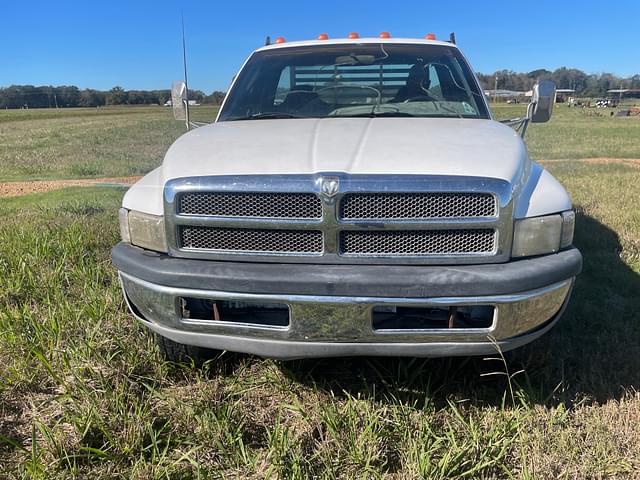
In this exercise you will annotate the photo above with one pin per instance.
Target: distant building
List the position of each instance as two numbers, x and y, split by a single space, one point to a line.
624 92
192 103
503 93
562 94
510 96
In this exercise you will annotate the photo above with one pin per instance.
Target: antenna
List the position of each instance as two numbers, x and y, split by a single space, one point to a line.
267 41
452 37
184 62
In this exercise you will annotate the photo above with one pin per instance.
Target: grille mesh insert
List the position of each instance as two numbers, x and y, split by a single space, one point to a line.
265 205
251 240
389 206
417 242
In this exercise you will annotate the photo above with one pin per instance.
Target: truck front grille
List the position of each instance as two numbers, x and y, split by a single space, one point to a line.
418 242
251 240
259 204
390 206
339 218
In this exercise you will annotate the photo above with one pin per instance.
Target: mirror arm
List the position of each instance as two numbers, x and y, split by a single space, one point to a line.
527 119
520 124
525 124
186 108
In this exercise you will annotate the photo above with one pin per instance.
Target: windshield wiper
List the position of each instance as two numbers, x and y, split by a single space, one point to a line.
450 110
267 116
377 114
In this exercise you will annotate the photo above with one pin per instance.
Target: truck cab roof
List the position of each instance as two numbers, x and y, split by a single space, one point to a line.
367 40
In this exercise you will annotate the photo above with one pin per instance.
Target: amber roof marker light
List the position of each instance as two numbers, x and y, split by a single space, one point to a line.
323 36
353 35
280 40
428 36
385 35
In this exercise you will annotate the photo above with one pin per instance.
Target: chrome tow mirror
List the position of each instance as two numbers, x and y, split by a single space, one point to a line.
539 110
180 102
542 100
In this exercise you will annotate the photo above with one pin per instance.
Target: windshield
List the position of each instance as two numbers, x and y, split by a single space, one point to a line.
355 80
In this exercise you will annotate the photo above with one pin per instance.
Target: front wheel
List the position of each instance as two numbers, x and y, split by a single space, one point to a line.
181 353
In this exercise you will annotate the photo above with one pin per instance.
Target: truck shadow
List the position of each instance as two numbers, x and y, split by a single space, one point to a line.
593 352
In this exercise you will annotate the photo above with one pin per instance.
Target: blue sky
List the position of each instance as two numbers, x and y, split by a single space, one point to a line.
136 43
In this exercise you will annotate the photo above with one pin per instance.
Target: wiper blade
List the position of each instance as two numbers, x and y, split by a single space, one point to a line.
378 114
450 110
268 115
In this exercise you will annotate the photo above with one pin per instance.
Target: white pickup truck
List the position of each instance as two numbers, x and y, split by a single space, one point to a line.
353 197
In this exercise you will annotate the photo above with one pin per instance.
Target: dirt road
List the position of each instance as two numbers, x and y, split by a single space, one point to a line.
14 189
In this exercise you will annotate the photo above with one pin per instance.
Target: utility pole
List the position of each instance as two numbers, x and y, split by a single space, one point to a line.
620 98
495 90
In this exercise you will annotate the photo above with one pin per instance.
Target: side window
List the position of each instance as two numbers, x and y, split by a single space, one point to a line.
284 85
434 87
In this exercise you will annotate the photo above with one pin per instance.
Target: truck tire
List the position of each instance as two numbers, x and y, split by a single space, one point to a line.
181 353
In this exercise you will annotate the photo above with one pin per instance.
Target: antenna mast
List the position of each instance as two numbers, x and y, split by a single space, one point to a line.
184 62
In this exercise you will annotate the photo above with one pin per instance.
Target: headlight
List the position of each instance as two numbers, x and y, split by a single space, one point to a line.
541 235
143 230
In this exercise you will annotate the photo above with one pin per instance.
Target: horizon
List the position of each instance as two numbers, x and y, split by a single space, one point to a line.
138 46
191 88
168 88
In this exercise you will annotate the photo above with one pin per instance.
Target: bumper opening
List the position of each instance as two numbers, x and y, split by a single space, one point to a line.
391 317
252 313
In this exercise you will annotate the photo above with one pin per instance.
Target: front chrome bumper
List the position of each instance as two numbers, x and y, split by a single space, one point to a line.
327 325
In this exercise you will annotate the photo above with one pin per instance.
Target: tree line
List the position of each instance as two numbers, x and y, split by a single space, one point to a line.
29 96
585 85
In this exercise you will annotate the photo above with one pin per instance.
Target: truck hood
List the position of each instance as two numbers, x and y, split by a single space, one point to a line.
426 146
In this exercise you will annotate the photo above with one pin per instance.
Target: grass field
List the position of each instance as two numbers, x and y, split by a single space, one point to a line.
83 142
84 393
579 133
122 141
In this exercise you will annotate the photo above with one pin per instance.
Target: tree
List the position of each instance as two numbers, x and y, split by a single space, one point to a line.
92 98
116 96
67 96
215 98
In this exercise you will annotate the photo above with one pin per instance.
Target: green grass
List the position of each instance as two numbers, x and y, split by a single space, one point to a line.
85 394
123 141
578 133
83 142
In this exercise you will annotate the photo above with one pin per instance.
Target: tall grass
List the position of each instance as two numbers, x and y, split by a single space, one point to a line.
84 393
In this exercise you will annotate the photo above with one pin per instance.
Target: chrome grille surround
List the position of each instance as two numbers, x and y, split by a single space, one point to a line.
405 205
250 204
331 226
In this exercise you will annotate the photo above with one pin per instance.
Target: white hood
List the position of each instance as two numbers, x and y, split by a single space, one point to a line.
428 146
